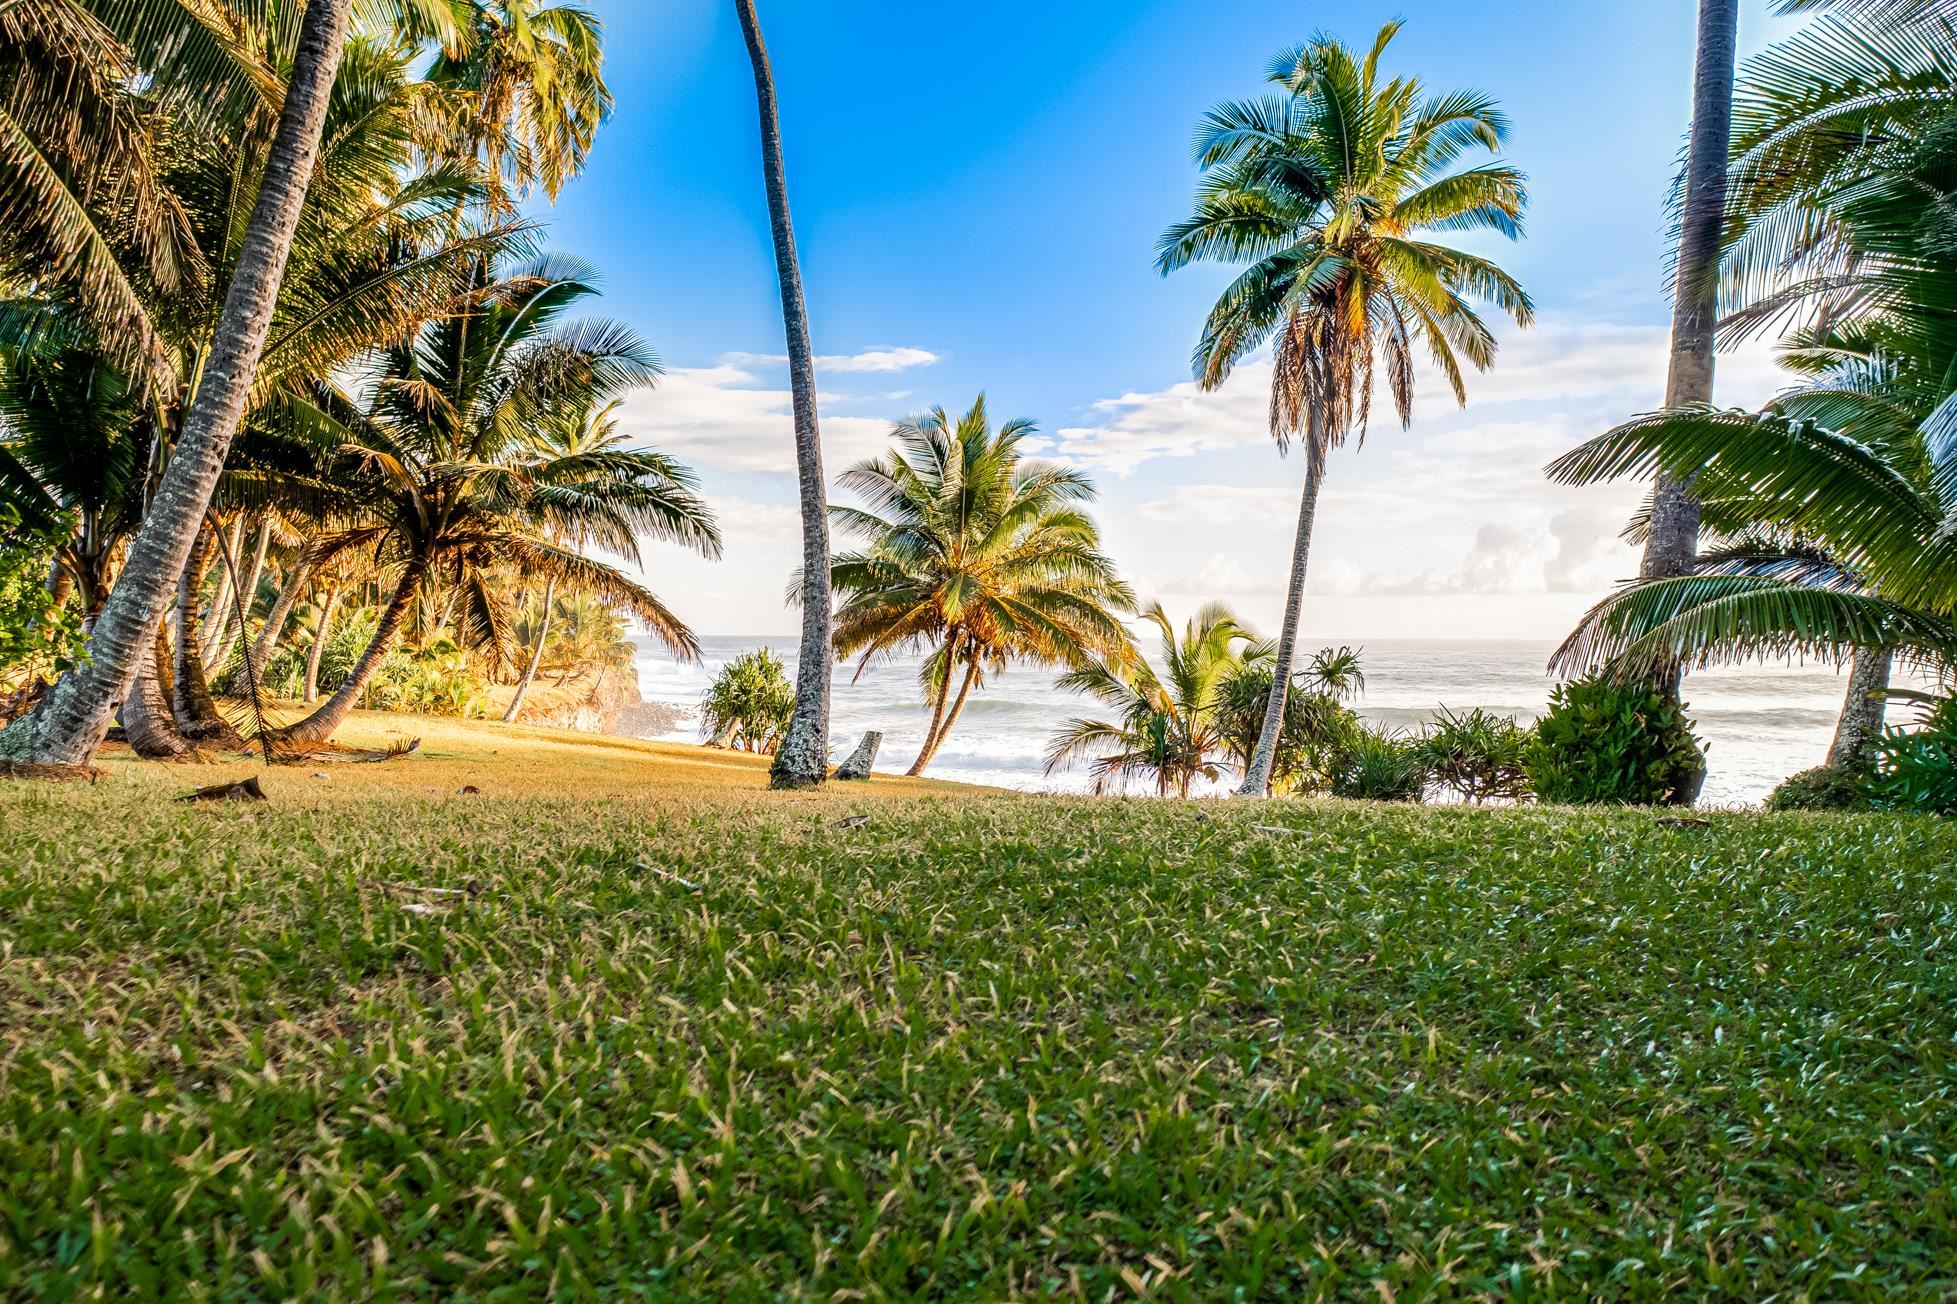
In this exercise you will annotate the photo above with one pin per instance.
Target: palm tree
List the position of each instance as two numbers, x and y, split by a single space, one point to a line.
1325 189
1672 538
977 551
521 96
440 472
70 723
802 760
588 433
1827 505
1167 725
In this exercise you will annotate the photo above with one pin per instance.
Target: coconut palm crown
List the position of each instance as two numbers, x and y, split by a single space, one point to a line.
1328 192
976 551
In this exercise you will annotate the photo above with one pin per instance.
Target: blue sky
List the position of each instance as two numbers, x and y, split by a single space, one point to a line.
977 191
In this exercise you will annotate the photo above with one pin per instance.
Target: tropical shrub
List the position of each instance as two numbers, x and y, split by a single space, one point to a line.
749 704
437 679
1317 727
1380 766
1916 769
1478 755
1613 741
38 636
1826 787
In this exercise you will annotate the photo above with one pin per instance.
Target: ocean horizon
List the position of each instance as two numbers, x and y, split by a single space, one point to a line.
1760 723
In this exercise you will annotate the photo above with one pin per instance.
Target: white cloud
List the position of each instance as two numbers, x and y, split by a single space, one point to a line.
728 417
879 360
1221 577
1614 370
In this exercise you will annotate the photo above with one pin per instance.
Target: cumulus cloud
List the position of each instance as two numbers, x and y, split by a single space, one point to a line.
1222 577
733 417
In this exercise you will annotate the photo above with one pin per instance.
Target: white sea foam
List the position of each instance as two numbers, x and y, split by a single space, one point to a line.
1762 723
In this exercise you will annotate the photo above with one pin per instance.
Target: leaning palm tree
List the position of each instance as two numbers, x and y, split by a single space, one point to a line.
438 470
1167 726
977 552
802 760
70 723
1327 190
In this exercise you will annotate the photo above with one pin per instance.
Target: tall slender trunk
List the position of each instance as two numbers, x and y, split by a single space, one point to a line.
320 725
1257 775
803 759
1672 547
318 649
219 612
198 718
71 722
268 637
929 747
1862 708
536 656
247 596
146 719
943 731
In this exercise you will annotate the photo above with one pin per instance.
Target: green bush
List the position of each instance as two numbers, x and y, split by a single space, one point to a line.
749 704
1317 727
1916 769
38 638
1826 787
1378 766
1611 741
1478 755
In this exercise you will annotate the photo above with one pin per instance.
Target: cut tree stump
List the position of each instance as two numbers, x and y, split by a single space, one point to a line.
859 762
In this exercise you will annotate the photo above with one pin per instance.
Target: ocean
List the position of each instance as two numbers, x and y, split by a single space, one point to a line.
1761 723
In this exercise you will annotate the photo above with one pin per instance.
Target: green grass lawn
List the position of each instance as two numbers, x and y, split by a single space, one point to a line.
980 1046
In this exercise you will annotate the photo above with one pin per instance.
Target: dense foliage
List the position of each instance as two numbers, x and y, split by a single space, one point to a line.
38 634
1916 769
1478 756
1378 765
1611 740
1430 1053
749 703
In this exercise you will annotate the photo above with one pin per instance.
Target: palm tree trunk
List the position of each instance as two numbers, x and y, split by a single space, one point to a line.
1674 539
943 731
268 637
536 655
72 720
929 747
198 718
1671 549
211 625
318 649
1257 775
320 725
247 595
803 759
1862 709
146 718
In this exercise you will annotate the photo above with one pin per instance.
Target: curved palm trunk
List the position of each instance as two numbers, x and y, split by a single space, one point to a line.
70 723
320 725
929 747
1673 544
1257 775
146 718
218 613
318 649
803 759
268 637
536 656
1862 708
237 614
937 739
197 716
